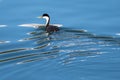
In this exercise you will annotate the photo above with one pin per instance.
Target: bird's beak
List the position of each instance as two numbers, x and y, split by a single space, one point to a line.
39 17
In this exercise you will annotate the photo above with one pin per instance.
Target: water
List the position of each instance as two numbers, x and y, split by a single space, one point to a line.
86 48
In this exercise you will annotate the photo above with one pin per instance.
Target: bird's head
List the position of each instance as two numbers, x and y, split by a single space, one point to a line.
45 16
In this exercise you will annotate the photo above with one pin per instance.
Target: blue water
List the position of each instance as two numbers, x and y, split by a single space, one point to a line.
86 48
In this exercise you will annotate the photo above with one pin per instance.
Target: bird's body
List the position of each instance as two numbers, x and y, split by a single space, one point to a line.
49 28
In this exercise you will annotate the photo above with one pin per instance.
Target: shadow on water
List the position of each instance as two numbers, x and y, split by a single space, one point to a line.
66 46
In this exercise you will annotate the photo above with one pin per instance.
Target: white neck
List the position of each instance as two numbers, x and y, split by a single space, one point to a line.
47 19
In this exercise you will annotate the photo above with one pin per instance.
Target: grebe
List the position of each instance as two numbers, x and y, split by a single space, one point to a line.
49 28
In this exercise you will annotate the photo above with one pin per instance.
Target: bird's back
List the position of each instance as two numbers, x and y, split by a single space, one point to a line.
51 28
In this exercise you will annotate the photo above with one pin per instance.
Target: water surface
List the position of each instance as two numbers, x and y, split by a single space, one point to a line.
86 47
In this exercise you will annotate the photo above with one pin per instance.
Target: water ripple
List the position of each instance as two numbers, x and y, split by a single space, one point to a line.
3 42
3 26
65 47
14 50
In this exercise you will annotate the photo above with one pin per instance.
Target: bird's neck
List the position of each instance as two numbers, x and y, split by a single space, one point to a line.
47 21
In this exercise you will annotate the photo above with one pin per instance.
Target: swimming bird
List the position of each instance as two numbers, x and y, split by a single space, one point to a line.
49 28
